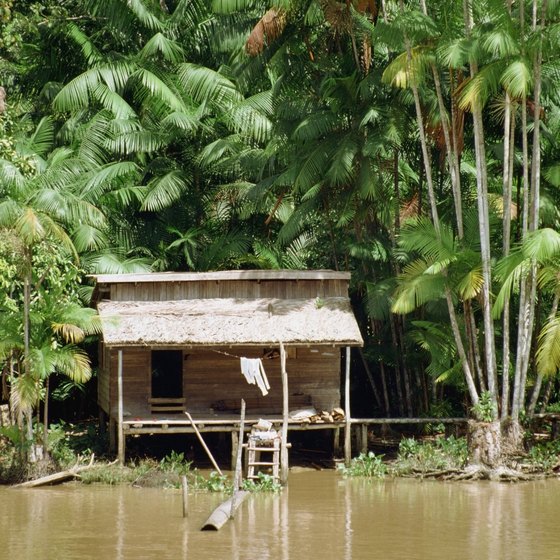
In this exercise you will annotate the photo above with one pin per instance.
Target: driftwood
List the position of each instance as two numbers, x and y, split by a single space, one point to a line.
58 477
224 511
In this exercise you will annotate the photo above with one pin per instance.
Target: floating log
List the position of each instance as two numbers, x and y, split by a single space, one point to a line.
224 511
58 477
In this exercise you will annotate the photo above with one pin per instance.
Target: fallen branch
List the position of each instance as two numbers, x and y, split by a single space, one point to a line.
59 477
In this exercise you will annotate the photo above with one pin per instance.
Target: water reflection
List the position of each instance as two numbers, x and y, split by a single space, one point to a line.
319 516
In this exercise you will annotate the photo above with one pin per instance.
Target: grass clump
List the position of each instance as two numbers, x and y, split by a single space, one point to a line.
435 455
366 465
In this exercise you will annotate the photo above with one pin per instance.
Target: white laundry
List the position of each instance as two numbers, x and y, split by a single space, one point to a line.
253 370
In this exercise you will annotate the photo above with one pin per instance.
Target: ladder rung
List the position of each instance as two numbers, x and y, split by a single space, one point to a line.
271 449
261 463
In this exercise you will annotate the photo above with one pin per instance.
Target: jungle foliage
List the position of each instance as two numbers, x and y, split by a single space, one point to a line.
409 142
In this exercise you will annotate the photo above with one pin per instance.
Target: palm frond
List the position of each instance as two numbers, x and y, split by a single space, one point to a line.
41 141
86 237
509 271
208 86
89 50
165 190
159 89
421 236
517 78
548 351
542 244
403 73
415 287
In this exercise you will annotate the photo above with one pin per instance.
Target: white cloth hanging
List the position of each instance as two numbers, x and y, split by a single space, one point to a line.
253 370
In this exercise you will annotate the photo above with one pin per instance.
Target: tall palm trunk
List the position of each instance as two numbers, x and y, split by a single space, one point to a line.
531 219
509 131
484 228
435 218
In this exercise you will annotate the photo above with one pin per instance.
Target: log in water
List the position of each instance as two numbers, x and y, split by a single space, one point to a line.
224 511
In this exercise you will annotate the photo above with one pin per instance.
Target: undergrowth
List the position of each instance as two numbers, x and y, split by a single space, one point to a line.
367 465
439 454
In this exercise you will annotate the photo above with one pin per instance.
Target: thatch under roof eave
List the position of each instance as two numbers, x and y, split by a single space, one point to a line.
230 322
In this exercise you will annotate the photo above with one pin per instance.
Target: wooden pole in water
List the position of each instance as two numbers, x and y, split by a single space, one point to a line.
285 404
185 488
237 474
120 432
348 426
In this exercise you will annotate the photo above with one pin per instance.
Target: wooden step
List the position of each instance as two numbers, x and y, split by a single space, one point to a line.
262 464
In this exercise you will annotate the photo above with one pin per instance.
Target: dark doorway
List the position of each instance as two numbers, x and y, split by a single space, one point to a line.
167 373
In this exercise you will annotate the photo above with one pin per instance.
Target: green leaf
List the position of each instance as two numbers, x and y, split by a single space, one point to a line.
548 351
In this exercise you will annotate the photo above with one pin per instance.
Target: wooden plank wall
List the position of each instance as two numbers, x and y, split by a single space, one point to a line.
214 381
103 397
136 381
289 289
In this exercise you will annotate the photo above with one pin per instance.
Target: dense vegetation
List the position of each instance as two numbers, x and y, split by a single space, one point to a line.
412 143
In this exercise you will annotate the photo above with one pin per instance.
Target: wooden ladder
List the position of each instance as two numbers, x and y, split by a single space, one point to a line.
256 447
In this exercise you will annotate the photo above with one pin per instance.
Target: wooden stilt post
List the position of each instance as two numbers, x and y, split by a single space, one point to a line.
363 438
336 442
120 432
285 404
348 426
112 434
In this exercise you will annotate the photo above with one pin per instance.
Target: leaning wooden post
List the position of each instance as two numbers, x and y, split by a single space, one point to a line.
120 432
348 426
284 441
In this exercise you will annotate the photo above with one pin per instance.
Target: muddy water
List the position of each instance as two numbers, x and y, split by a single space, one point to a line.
319 517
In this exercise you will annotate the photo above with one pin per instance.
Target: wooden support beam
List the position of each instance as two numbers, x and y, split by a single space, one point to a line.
285 405
336 442
120 431
348 419
363 438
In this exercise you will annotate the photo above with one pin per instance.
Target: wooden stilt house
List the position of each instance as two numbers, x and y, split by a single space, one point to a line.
173 342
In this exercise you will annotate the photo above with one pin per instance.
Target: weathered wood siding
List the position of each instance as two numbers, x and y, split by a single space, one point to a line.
288 289
103 377
214 381
136 381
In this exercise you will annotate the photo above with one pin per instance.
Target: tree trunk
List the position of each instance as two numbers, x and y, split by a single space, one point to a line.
490 444
484 441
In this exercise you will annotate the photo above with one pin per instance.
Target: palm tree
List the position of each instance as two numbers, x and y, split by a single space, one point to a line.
36 207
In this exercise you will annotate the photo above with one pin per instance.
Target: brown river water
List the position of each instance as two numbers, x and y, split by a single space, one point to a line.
320 516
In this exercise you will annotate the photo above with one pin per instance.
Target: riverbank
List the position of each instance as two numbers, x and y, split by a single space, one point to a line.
424 456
